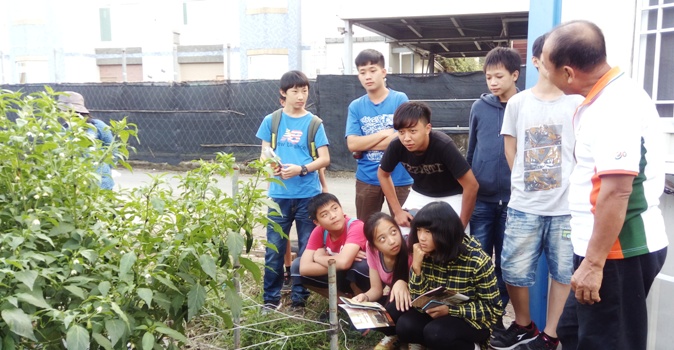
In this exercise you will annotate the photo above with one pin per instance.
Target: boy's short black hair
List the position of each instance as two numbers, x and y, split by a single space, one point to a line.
318 201
408 114
509 58
370 56
537 47
292 79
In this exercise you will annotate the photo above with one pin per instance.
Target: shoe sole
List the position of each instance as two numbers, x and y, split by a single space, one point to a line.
512 346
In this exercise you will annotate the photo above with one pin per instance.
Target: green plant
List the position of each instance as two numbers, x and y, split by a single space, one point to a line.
82 267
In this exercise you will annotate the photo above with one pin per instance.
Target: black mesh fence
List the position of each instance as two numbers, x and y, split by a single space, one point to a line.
184 121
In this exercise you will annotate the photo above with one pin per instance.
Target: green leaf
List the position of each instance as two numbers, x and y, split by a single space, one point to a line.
34 299
208 265
44 237
104 288
8 342
116 330
162 300
68 320
167 282
195 300
77 338
158 204
119 312
102 341
234 301
126 263
61 229
235 243
19 323
26 277
172 333
76 291
90 255
252 267
148 341
146 295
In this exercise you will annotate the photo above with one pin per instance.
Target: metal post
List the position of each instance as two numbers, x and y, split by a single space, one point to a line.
332 302
543 16
237 283
124 77
229 62
56 74
348 48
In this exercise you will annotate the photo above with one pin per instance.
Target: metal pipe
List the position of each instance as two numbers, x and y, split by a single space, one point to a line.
332 302
237 283
124 76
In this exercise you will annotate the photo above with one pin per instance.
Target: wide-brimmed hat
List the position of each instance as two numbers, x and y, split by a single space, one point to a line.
72 100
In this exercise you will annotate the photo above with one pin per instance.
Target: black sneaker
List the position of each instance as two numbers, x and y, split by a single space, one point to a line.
498 329
513 336
541 342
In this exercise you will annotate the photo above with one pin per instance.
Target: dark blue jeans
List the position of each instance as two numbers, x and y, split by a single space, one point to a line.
619 321
487 225
291 210
358 274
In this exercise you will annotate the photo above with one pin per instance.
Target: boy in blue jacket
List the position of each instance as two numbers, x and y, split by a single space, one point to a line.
487 158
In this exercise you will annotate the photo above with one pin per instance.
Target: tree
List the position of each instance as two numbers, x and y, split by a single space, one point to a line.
462 64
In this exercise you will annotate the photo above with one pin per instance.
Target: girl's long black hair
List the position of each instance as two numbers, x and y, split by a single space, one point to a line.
446 228
401 269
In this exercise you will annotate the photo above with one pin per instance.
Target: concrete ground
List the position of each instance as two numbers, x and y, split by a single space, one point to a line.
340 184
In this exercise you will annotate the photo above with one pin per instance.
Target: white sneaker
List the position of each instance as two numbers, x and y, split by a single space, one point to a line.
389 342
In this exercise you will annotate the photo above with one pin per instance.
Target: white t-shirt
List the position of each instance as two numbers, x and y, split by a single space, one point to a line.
618 133
544 158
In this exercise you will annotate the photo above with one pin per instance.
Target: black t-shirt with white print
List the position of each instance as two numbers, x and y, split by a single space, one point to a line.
435 170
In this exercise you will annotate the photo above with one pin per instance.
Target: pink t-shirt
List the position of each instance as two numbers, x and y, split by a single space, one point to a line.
353 235
374 261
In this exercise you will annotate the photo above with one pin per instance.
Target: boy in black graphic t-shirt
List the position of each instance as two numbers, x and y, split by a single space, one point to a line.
439 170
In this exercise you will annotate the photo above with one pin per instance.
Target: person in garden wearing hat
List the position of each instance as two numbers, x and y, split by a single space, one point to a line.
73 101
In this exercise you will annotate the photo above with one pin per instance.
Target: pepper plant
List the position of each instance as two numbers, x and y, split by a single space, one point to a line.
86 268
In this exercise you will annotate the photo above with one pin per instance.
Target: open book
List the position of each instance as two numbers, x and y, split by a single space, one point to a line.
366 314
438 296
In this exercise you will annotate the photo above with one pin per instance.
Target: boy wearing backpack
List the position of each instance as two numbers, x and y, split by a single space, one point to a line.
298 172
338 237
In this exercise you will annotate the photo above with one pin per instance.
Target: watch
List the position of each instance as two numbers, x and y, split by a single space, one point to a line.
304 170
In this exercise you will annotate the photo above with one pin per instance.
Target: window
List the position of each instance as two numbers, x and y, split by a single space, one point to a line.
655 64
106 27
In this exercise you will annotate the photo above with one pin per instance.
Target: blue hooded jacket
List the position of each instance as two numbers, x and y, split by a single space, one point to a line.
486 153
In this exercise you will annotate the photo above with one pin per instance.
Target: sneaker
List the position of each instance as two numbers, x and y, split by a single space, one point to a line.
296 309
389 342
541 342
415 347
513 336
270 307
498 329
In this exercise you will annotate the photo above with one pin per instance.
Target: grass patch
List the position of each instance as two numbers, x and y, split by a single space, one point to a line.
277 330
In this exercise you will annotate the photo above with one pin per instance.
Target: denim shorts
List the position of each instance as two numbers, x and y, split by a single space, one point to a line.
529 235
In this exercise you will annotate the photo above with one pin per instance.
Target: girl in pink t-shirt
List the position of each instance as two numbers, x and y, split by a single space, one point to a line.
389 265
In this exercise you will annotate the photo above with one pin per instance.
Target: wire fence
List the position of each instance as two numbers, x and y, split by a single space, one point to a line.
186 121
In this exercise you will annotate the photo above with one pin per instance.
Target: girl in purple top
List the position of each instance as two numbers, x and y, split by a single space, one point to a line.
389 263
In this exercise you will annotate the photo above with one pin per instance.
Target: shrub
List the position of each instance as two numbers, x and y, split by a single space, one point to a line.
82 267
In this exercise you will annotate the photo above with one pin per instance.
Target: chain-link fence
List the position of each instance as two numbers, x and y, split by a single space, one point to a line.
184 121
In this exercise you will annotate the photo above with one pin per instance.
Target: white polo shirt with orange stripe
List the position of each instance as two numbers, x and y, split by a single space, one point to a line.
617 133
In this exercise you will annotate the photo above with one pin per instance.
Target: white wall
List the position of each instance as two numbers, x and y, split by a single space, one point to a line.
617 26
